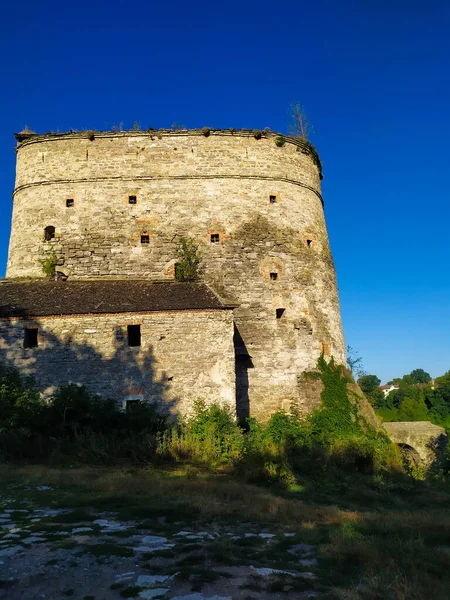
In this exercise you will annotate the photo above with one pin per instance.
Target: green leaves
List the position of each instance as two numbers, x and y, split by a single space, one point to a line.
188 268
368 383
48 264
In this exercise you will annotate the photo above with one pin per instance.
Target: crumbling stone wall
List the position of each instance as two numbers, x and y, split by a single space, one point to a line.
93 350
262 200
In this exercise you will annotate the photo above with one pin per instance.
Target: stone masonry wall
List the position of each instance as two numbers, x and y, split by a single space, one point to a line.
188 184
93 351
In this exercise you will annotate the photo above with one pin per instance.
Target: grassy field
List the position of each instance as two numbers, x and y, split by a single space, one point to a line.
375 539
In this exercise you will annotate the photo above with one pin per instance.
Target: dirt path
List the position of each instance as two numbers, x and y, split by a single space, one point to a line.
48 552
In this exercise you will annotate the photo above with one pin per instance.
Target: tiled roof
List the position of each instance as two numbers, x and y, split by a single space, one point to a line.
42 297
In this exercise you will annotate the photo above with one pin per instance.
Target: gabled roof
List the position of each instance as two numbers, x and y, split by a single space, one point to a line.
43 297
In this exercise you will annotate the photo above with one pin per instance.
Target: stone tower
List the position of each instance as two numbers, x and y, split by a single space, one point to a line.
114 205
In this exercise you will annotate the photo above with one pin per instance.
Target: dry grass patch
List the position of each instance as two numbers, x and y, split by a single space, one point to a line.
210 496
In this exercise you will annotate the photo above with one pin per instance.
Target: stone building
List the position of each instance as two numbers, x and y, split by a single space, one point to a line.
109 209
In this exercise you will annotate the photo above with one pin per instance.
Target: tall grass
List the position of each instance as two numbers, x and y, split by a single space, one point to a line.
75 428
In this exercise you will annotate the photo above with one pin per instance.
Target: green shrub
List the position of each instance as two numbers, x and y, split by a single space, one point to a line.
48 264
257 134
76 427
189 266
338 416
206 131
280 141
21 406
72 425
211 435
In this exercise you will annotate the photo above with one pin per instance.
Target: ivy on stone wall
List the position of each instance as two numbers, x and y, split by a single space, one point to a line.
338 416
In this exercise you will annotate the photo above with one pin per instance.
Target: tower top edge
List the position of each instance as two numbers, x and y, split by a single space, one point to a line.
25 138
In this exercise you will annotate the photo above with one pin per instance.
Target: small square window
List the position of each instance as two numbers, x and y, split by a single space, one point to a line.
49 233
134 335
280 312
145 239
215 238
274 276
30 339
70 202
132 200
272 199
309 243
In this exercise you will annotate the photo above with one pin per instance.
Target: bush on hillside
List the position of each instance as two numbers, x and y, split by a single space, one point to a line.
75 427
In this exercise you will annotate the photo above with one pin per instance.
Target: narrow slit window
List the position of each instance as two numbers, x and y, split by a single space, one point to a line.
272 199
145 239
30 339
70 202
280 312
273 276
215 238
132 200
309 243
49 233
134 335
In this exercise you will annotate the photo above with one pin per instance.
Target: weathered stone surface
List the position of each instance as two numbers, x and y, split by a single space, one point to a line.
183 355
424 437
263 202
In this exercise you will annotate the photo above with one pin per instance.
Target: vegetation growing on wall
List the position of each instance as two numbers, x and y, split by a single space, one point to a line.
48 263
189 266
77 426
309 149
304 145
27 131
299 126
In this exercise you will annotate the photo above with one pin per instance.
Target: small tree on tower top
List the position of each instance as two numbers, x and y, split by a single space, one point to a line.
299 125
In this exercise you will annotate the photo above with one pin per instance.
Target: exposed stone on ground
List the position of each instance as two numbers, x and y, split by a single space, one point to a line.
200 597
153 593
265 572
301 549
49 557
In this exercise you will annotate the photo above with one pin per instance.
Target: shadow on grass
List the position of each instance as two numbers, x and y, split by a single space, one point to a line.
363 553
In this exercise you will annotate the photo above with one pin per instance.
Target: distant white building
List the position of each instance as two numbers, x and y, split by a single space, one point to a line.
386 389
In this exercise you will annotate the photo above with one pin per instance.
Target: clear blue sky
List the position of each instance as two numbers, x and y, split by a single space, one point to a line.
373 76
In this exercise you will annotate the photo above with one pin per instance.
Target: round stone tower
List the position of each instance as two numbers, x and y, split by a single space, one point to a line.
115 205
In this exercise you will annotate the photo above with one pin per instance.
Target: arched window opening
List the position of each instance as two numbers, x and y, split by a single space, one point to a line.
49 233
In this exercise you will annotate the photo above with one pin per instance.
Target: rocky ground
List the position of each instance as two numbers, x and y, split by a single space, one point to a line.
82 553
